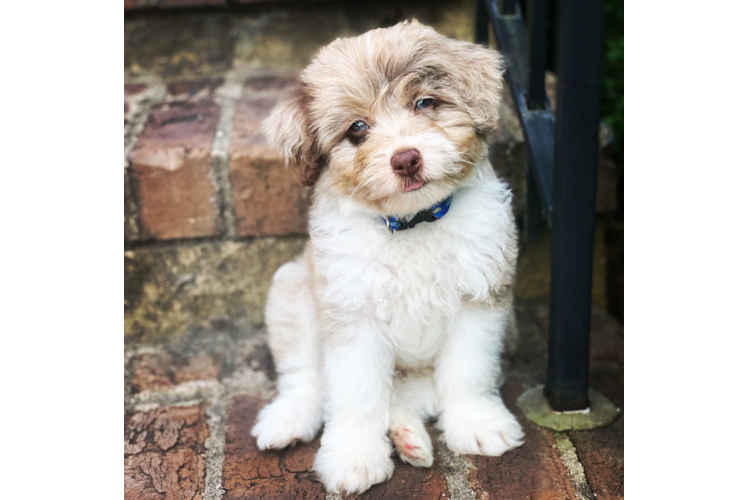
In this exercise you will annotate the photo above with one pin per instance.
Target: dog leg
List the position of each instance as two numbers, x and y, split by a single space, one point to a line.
296 413
413 401
473 416
358 367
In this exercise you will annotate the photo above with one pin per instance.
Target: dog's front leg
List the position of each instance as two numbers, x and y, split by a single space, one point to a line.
358 370
473 416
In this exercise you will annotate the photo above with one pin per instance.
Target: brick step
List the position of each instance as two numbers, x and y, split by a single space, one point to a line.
211 211
201 168
189 407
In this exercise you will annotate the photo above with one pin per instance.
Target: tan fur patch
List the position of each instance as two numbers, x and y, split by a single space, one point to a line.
377 78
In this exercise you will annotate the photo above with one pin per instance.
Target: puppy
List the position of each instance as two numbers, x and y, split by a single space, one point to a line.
397 310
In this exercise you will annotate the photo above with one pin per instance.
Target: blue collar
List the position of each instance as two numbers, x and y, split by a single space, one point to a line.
436 212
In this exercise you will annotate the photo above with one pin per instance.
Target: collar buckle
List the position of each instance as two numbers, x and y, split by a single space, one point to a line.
435 213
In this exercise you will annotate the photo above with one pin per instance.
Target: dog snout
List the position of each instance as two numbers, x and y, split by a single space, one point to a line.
406 163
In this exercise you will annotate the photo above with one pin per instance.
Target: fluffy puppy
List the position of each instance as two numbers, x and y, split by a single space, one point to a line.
374 331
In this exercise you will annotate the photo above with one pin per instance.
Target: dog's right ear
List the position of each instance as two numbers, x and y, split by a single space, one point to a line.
288 132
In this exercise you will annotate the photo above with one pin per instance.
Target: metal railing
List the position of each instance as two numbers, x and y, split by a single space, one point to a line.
562 164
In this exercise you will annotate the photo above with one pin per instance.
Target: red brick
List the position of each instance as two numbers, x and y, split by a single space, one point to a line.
139 4
411 482
250 474
601 450
190 88
165 454
601 453
162 370
534 470
134 88
268 197
171 170
273 82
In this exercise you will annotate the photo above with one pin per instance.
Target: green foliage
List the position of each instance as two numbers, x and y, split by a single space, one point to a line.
611 103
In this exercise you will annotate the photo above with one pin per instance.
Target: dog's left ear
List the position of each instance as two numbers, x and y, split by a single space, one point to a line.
478 79
288 132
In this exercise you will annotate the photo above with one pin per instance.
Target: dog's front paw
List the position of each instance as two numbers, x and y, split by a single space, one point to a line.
481 427
412 443
287 420
347 462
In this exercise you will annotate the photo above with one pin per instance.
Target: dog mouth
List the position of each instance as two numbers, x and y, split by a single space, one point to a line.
414 185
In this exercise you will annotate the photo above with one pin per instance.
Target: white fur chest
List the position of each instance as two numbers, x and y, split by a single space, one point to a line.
414 281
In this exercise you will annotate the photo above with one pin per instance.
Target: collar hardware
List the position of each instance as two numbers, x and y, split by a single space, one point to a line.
432 214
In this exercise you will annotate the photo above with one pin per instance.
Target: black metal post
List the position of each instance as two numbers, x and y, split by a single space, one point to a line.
579 57
480 34
536 34
532 217
507 7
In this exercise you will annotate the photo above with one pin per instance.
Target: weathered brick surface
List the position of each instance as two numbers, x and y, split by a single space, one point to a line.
139 4
274 82
133 94
162 370
601 450
534 470
130 210
601 453
193 89
249 474
165 455
411 482
268 198
175 291
171 172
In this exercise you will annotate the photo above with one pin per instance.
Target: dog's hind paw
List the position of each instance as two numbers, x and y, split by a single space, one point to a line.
413 444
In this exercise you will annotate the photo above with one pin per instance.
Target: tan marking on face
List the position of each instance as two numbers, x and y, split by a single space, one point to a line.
377 78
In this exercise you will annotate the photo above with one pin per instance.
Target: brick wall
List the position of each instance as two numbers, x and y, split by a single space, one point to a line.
197 164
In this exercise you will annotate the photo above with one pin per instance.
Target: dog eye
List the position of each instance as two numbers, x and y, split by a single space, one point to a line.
423 104
358 126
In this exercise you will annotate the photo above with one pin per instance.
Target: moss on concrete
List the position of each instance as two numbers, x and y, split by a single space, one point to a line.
535 406
172 289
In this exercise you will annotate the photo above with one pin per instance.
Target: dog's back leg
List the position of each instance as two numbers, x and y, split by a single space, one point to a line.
293 332
412 402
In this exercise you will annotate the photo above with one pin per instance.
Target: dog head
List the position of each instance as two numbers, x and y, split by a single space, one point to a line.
395 119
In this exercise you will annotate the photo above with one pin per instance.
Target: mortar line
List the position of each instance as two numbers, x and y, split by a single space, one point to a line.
215 446
220 173
154 92
227 95
132 228
455 468
571 461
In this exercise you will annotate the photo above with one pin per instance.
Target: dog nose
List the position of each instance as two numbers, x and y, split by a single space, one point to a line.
406 163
